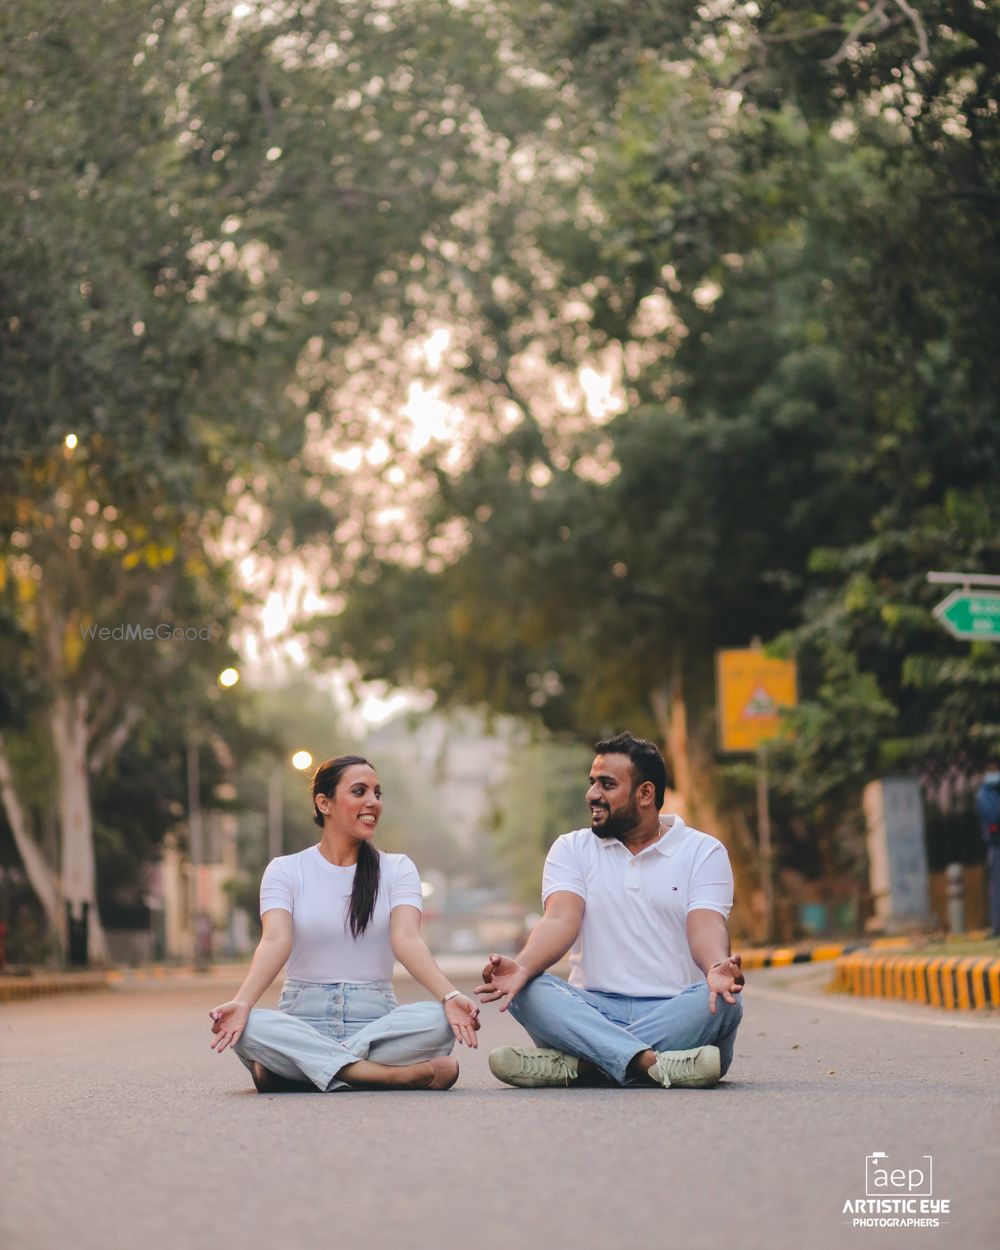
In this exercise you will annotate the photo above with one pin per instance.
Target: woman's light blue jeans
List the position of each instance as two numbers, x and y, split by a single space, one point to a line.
319 1028
609 1030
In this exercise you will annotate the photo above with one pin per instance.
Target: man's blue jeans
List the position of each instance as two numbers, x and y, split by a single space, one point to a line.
609 1030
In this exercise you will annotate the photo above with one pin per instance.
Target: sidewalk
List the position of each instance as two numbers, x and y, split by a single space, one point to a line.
46 984
880 968
782 956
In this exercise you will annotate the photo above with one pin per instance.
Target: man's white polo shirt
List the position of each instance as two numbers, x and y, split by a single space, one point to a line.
634 937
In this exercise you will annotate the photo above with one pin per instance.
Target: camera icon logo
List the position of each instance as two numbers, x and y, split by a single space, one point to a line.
883 1181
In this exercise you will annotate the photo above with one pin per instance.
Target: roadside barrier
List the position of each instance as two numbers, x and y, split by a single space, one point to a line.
16 989
782 956
953 982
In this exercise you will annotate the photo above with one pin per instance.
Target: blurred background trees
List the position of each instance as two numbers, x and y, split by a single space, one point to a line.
782 228
550 347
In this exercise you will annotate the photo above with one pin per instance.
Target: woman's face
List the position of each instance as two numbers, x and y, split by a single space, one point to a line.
355 806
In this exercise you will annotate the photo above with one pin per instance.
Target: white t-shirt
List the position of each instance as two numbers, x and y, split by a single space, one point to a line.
633 939
318 895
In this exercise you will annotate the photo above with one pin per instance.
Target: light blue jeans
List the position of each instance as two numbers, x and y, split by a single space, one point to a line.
609 1030
319 1028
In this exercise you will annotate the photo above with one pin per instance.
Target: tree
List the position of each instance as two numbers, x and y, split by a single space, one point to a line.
780 226
207 211
541 797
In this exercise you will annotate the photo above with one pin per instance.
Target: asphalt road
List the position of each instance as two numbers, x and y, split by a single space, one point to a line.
121 1128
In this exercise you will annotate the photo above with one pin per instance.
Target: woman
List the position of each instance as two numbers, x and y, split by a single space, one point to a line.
337 913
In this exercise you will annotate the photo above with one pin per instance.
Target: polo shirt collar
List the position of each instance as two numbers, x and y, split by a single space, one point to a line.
673 834
668 842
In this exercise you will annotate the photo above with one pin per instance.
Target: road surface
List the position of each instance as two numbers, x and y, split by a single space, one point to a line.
121 1128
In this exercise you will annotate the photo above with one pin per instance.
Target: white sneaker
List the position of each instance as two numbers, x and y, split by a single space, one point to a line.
695 1069
532 1066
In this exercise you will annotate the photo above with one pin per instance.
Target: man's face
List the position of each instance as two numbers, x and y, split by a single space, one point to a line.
614 811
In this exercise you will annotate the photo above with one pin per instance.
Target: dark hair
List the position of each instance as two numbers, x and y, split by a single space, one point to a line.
364 892
647 762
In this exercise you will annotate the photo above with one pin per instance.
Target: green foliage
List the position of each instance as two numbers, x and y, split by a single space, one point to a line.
784 222
771 228
206 213
541 797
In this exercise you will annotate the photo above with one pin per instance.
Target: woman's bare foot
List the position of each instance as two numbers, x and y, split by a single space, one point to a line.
445 1072
439 1073
268 1082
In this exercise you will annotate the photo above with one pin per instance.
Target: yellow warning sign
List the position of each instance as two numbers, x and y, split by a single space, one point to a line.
751 691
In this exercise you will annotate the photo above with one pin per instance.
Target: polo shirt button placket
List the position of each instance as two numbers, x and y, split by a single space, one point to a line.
632 875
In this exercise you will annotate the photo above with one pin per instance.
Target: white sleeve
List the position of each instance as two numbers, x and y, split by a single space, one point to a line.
404 889
276 888
711 884
562 871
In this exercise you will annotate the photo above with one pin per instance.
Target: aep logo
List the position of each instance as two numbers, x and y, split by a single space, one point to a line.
881 1181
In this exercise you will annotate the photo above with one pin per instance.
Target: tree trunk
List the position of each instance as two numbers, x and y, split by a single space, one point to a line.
692 768
670 714
40 876
68 719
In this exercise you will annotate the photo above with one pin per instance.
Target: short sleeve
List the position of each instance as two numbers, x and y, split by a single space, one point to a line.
711 885
276 888
562 870
404 890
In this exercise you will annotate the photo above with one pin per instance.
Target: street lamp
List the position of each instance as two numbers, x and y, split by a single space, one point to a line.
301 761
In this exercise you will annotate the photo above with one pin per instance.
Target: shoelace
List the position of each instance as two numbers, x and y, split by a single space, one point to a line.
547 1066
679 1067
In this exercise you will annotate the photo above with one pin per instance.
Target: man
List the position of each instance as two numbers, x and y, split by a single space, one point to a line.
643 901
988 807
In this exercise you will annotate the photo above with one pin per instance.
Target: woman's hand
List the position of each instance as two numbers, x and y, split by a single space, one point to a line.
228 1022
463 1016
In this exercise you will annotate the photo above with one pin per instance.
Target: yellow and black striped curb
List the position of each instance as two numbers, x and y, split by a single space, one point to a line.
173 972
782 956
44 985
16 989
955 982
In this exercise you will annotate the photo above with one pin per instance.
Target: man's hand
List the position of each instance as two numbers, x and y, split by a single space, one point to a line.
228 1023
503 978
725 978
463 1016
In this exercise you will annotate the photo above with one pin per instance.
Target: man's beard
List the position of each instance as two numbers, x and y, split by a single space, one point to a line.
621 823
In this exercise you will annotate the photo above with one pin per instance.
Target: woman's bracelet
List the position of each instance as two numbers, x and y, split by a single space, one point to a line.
450 995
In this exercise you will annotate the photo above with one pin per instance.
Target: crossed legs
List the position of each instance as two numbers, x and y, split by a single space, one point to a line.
406 1048
618 1036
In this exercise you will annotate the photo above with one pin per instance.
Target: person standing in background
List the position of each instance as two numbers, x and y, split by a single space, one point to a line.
988 808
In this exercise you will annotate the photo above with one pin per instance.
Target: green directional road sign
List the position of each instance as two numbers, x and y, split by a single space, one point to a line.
971 614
